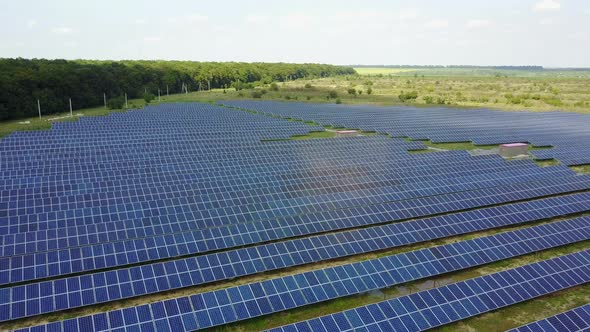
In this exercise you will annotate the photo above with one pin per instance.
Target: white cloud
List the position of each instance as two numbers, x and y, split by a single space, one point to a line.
547 5
296 21
61 30
410 13
196 18
437 24
188 19
547 21
257 19
479 23
31 23
152 39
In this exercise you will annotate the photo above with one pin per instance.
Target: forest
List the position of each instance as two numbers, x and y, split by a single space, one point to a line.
86 82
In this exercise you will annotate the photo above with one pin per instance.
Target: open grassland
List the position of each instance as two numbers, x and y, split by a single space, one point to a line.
511 90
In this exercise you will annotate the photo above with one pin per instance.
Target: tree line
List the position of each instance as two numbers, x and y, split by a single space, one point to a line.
53 82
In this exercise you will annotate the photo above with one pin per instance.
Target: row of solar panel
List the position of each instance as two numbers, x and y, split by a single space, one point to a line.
261 195
418 311
224 170
72 237
431 308
423 177
214 267
88 205
574 320
122 253
299 251
481 127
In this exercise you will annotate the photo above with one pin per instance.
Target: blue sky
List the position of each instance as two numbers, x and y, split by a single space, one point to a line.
553 33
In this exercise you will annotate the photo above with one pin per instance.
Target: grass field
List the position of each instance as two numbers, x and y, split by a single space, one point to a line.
511 90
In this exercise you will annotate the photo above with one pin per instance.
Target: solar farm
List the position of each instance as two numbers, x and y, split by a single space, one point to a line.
203 216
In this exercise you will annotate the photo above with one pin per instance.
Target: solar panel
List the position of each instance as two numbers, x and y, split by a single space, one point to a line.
565 132
431 308
259 298
135 202
577 319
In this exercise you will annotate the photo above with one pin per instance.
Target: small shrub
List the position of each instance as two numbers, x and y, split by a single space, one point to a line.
352 91
408 96
274 87
116 103
553 101
287 97
308 86
148 97
338 101
360 92
428 99
369 90
240 94
332 94
257 94
308 97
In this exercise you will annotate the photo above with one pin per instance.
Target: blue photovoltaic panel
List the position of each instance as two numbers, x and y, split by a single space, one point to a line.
173 181
274 295
427 309
577 319
567 133
192 271
116 254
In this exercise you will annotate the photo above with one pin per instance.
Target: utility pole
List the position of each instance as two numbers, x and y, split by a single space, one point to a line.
104 96
167 91
39 107
71 112
126 104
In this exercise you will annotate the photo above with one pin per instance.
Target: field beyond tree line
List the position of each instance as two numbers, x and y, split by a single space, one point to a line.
54 81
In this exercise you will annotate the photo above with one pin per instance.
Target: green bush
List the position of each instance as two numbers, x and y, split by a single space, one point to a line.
553 101
369 90
257 94
428 99
408 96
148 97
352 91
308 97
116 103
338 101
332 94
242 86
308 86
274 87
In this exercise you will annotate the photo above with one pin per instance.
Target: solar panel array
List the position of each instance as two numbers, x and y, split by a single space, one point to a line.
577 319
566 132
251 300
431 308
180 195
